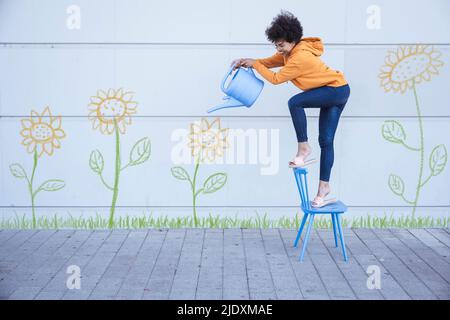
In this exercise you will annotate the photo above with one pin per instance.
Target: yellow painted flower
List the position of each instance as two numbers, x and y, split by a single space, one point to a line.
107 107
206 141
42 132
409 65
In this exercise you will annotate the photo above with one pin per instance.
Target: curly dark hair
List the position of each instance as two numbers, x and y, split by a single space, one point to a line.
285 26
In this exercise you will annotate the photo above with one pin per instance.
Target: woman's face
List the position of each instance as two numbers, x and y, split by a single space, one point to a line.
284 47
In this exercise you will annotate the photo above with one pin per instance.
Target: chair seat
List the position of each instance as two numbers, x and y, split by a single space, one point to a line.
336 207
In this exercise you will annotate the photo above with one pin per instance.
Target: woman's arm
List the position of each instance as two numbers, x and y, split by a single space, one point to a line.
291 70
274 61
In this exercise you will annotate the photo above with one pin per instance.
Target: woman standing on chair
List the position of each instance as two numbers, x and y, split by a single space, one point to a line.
322 88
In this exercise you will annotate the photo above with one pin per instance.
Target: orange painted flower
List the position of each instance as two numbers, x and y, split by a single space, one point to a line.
206 141
42 133
409 65
109 107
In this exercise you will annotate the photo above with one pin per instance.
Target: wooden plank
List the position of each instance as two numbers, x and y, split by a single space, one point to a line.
5 234
390 289
24 293
310 283
22 273
15 241
434 260
133 287
353 272
109 283
432 242
421 269
11 261
55 267
256 264
235 284
285 282
260 282
210 280
441 235
82 257
111 280
161 279
399 271
98 266
43 253
335 282
185 281
95 267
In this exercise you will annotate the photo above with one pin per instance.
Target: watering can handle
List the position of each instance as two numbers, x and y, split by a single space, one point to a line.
226 77
228 74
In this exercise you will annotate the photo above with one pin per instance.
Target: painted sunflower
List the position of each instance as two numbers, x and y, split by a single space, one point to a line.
408 66
108 109
206 141
42 132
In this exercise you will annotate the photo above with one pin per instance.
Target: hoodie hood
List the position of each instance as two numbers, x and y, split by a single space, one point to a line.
313 45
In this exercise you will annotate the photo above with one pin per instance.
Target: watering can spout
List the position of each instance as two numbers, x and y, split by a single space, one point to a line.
230 102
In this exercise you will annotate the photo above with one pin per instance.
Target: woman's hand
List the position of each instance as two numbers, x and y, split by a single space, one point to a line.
248 63
243 63
237 63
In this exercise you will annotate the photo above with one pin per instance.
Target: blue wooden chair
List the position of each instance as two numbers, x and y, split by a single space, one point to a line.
335 209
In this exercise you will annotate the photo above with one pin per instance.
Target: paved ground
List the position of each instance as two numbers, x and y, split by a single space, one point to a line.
223 264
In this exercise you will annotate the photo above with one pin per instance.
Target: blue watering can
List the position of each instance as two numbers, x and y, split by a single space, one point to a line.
243 89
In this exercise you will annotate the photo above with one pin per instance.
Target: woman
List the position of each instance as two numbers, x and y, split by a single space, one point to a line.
322 88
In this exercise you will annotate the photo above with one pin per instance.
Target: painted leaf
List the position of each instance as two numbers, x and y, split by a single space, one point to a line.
214 182
17 171
180 173
396 184
96 161
438 159
52 185
140 152
393 131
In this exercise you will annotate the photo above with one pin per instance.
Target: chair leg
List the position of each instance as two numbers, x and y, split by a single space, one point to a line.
308 230
333 217
341 235
305 216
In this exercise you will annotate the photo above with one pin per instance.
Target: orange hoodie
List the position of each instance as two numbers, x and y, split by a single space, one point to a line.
302 66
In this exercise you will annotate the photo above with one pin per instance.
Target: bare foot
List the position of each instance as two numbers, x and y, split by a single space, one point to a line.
323 191
301 155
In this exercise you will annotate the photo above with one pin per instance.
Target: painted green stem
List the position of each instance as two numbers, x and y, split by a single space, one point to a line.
409 147
116 176
104 182
406 200
125 167
421 149
30 187
194 193
426 180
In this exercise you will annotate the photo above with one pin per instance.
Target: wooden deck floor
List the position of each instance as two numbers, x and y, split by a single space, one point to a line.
223 264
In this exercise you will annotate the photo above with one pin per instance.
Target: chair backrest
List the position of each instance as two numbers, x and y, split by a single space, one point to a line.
302 184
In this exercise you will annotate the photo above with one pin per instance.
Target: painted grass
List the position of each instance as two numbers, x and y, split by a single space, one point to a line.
150 221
